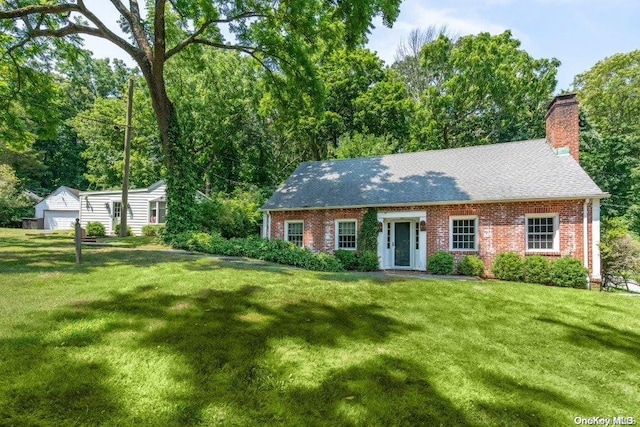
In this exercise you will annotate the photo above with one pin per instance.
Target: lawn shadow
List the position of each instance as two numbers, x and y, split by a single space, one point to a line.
601 336
225 338
537 400
42 385
383 390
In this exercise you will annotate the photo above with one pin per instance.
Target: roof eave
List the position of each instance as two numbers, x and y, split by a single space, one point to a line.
454 202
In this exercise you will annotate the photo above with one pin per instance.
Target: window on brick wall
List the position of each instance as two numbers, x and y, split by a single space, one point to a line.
294 232
463 233
543 233
346 232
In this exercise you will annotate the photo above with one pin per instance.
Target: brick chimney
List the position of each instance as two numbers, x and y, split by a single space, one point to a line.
563 125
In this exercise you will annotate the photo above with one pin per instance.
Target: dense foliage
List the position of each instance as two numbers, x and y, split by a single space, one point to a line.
233 215
440 263
568 272
620 251
508 266
610 146
277 251
95 229
13 204
118 227
535 269
368 238
471 265
151 230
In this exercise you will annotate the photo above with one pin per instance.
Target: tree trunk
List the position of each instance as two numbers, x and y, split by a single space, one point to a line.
180 175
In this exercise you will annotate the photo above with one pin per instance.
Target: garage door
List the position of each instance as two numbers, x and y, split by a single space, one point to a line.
59 220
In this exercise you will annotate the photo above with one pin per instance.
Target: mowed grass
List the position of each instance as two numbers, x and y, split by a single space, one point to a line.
147 337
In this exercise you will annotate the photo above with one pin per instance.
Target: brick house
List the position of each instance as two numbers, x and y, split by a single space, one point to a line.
530 197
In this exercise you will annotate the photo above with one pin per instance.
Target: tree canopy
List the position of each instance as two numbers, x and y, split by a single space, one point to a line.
609 94
281 36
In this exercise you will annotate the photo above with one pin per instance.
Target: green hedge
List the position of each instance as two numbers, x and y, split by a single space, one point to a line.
568 272
440 263
471 265
277 251
95 229
129 231
536 270
508 266
153 230
358 261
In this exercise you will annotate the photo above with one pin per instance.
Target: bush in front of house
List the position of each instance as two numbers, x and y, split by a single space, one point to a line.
535 269
358 261
95 229
508 266
277 251
471 265
568 272
368 261
129 231
440 263
348 259
153 230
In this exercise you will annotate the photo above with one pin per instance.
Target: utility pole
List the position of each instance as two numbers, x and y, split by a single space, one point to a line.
127 154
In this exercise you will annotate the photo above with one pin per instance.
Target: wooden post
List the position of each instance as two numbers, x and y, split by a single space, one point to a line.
78 242
127 155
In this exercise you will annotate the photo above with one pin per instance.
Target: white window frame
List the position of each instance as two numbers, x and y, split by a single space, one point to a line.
156 203
475 237
337 230
286 230
113 209
556 232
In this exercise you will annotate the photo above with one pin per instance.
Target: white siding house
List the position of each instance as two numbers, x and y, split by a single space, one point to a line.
146 206
59 210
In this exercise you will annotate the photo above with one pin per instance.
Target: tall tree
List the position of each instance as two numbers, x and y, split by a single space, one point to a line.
609 96
280 35
484 89
408 54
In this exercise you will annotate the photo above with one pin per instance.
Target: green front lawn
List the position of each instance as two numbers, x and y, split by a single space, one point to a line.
141 336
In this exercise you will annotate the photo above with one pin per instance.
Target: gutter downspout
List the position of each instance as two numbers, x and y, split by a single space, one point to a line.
585 236
595 239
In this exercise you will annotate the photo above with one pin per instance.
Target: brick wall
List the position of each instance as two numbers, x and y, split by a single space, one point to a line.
501 227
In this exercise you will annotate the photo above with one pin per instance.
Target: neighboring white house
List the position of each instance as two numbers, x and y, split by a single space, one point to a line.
59 210
146 206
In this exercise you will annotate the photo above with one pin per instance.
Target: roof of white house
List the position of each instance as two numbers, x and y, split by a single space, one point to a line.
72 191
132 190
523 170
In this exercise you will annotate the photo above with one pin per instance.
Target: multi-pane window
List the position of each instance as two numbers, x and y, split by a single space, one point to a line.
117 210
417 235
463 233
388 235
346 238
541 233
157 212
294 232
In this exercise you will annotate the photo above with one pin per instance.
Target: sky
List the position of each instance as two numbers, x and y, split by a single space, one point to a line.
577 32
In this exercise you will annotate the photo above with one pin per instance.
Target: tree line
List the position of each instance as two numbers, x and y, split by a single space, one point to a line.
230 117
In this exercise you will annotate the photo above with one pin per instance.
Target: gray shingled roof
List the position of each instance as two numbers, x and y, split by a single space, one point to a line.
524 170
73 191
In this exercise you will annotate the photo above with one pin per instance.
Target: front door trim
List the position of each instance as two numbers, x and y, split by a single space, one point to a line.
386 257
